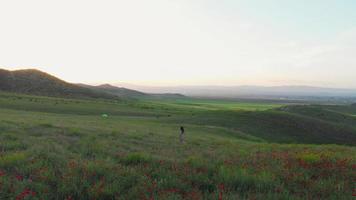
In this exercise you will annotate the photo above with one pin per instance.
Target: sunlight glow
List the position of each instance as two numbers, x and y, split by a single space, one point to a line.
182 42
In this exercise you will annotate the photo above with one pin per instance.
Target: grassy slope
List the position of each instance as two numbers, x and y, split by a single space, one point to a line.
290 124
36 82
276 126
344 109
334 114
64 149
207 104
117 91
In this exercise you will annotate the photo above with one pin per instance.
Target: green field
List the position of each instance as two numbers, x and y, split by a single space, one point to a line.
53 148
207 104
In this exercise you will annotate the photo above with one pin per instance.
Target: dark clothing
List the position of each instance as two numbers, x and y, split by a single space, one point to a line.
182 129
181 136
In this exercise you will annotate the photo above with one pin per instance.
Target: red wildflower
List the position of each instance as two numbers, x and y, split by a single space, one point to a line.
221 190
19 177
26 192
69 198
2 173
173 190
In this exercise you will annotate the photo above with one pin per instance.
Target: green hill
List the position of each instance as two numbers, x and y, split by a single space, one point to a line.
291 124
309 124
35 82
117 91
336 114
128 93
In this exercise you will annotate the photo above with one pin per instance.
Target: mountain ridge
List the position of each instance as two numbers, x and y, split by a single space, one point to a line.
117 91
36 82
248 91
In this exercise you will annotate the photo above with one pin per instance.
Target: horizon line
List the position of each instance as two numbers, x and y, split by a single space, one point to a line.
122 84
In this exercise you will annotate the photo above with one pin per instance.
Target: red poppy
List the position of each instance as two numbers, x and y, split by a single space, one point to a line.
26 192
19 177
69 198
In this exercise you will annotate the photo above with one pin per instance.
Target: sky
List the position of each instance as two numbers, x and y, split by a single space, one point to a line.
183 42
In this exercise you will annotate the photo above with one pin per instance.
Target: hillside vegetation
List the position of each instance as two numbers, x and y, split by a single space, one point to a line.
282 127
116 91
36 82
54 148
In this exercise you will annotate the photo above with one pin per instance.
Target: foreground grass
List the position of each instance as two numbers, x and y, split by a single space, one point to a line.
46 154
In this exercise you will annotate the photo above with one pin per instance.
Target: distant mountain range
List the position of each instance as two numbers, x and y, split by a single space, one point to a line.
35 82
281 92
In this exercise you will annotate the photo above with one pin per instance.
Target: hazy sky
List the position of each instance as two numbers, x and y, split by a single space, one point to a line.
183 42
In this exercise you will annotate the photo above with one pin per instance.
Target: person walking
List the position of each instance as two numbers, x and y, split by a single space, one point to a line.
181 136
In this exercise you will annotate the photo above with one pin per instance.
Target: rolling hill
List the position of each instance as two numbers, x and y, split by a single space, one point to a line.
35 82
116 91
55 148
290 124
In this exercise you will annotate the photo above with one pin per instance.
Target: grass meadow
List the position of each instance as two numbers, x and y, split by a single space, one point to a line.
63 149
